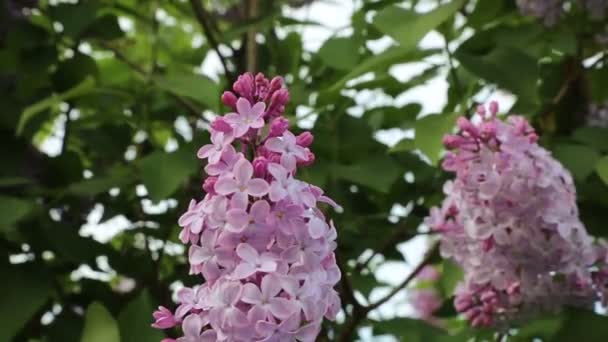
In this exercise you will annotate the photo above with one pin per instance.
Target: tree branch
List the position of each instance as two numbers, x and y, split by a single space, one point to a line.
407 280
203 19
360 314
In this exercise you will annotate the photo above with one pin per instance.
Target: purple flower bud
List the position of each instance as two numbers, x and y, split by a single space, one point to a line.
278 127
305 139
209 185
221 125
229 99
260 167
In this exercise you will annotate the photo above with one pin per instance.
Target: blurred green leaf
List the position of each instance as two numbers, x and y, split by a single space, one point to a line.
579 159
378 173
22 293
340 53
162 173
197 87
541 328
12 210
451 275
584 325
383 60
99 325
596 137
409 27
135 320
116 177
602 169
508 67
28 114
404 145
429 134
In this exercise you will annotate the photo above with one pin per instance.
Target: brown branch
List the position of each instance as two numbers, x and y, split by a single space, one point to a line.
252 46
360 314
203 19
427 258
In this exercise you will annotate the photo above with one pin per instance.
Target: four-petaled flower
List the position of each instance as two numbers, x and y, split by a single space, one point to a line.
247 117
240 185
253 262
288 148
220 141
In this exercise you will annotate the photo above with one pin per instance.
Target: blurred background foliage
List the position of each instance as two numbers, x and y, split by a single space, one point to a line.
104 103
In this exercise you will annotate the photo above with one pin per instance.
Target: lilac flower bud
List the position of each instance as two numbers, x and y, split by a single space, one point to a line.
260 165
229 99
209 184
221 125
305 139
278 126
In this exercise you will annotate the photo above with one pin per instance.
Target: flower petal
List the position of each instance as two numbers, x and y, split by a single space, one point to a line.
257 187
225 186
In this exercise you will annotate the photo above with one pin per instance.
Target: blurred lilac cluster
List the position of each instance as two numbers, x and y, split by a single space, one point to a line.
550 11
597 116
510 220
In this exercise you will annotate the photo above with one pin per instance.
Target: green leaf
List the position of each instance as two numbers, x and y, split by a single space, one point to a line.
582 325
429 134
383 60
602 169
508 67
409 27
596 137
162 173
99 325
22 293
117 177
12 210
28 114
411 330
196 87
340 53
579 159
75 17
378 173
405 145
543 328
451 275
134 320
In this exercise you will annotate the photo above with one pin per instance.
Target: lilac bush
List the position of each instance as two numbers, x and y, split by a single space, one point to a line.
257 238
510 220
550 11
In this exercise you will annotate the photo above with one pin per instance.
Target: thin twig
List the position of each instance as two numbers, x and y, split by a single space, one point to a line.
203 19
407 280
252 46
360 314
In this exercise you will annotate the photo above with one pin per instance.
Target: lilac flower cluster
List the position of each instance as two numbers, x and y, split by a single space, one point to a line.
424 298
510 220
550 11
258 239
597 116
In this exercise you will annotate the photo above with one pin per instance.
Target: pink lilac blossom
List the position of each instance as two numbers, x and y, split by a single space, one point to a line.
597 116
510 220
257 238
551 11
424 298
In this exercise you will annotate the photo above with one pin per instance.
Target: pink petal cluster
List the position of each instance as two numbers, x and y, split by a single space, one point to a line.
510 220
257 238
551 11
424 298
